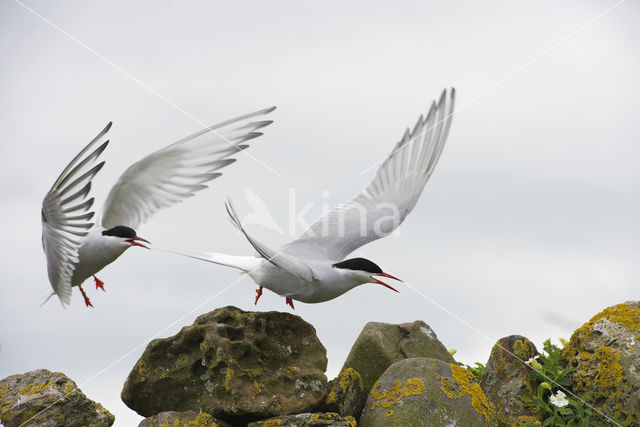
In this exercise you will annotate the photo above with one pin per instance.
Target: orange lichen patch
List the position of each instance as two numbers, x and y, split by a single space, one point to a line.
464 383
413 386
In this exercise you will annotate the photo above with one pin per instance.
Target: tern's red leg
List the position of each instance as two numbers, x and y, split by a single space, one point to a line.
99 283
290 302
87 301
259 294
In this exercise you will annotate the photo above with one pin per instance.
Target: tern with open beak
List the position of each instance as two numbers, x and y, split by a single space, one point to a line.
77 249
314 267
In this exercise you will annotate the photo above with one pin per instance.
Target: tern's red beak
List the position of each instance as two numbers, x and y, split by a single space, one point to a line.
136 242
384 284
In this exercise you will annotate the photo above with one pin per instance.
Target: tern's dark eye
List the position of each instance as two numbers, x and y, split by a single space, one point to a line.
360 264
121 231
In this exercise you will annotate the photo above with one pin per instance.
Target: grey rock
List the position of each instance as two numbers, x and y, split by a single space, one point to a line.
346 395
45 398
185 419
307 419
509 383
381 344
235 365
605 353
427 392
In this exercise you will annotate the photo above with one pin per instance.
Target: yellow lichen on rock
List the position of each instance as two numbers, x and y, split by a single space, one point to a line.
344 380
624 314
227 379
413 386
602 369
31 389
524 349
203 420
272 423
464 383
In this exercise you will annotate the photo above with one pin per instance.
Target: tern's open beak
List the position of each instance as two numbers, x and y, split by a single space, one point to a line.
384 284
136 242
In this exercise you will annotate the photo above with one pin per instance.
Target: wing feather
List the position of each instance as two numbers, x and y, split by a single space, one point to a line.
392 194
62 233
178 171
290 264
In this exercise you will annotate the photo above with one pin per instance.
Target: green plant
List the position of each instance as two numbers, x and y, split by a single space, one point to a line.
477 371
554 401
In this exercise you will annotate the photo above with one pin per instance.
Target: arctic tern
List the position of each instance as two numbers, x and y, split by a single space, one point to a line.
313 268
77 249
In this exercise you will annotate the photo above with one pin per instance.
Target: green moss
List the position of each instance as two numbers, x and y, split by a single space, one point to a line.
413 386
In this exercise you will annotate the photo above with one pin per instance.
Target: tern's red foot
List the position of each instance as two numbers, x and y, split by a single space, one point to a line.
290 303
87 301
99 283
259 294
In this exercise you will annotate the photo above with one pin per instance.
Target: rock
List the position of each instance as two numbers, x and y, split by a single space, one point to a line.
235 365
605 352
381 344
46 398
508 383
427 392
309 419
346 395
185 419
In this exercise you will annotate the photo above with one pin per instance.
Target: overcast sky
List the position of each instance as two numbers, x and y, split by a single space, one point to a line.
530 223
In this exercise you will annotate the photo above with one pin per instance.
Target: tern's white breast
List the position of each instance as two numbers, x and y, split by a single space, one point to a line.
97 251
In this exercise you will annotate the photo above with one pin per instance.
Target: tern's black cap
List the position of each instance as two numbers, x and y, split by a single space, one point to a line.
360 264
121 231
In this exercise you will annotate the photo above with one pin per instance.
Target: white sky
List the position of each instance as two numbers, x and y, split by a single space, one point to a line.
530 223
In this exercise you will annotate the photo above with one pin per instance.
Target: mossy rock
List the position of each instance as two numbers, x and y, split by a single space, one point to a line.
45 398
182 419
605 353
307 420
379 345
235 365
346 395
427 392
509 383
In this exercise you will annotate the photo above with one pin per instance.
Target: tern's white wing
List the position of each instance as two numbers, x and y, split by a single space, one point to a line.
291 264
177 171
66 212
390 196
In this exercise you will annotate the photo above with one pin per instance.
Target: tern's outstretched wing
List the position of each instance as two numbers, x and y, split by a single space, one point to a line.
288 263
390 196
66 215
177 171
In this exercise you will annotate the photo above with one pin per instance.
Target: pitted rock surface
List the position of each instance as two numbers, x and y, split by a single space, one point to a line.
235 365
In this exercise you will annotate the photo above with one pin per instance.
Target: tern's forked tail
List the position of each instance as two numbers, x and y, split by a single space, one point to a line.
244 263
